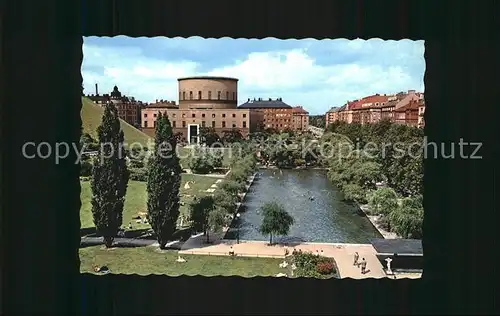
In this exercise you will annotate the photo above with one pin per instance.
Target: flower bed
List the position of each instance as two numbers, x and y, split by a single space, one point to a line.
315 266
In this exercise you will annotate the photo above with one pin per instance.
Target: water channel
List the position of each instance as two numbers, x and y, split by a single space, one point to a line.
316 205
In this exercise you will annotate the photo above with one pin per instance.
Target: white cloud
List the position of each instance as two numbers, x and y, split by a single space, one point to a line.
274 70
295 75
135 75
298 79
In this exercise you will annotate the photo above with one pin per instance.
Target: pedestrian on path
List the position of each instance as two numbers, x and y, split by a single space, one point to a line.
363 266
356 258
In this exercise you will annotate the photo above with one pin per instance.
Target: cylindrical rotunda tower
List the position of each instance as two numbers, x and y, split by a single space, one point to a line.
204 92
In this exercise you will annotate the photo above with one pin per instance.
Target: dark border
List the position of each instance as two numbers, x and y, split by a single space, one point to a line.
40 97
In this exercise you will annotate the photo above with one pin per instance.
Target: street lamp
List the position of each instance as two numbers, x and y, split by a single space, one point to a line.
238 228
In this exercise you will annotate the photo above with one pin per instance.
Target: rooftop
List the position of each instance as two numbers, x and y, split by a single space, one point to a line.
207 77
398 246
264 104
163 104
333 109
299 109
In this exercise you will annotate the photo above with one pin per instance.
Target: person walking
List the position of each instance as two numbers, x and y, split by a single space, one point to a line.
363 266
356 258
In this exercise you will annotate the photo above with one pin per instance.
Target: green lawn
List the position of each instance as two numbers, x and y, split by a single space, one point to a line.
148 260
136 199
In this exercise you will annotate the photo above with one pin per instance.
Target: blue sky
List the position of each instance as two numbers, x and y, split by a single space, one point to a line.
316 74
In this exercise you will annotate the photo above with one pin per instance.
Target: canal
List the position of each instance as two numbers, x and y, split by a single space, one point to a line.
316 205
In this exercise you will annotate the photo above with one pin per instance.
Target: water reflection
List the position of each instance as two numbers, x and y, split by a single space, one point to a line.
320 214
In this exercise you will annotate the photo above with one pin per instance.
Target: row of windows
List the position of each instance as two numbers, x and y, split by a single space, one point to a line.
182 95
280 120
278 110
194 115
272 125
127 107
203 124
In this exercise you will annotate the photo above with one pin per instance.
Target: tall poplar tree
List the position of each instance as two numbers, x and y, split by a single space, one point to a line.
109 177
164 181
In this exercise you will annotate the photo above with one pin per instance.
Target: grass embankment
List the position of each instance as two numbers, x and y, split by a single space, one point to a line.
91 115
148 260
136 198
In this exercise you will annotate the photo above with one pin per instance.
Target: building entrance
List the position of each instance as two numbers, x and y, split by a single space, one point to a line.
193 134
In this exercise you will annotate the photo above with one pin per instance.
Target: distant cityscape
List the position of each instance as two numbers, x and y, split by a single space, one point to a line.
208 102
215 106
406 108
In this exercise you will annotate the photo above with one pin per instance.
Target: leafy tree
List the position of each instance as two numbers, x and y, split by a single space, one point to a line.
354 192
200 162
406 175
232 187
232 136
317 121
377 131
215 159
209 136
353 130
355 174
200 210
238 174
365 173
109 177
276 220
225 201
206 216
216 221
88 143
163 182
383 201
407 220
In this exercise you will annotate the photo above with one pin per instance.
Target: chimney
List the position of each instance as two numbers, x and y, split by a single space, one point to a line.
248 100
411 92
96 90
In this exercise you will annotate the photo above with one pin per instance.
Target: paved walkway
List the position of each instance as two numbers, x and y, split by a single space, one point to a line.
342 253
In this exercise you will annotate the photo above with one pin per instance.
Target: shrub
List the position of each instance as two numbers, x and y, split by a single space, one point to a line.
326 267
311 265
384 223
306 260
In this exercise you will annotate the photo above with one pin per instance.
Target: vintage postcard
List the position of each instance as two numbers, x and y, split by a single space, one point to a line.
279 158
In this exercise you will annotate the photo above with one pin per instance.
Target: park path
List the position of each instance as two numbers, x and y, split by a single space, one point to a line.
342 253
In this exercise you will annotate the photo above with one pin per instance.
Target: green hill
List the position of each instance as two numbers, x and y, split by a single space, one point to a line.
91 118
